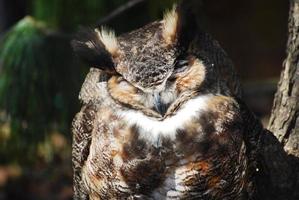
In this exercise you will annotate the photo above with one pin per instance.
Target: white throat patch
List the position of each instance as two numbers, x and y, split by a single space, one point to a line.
152 130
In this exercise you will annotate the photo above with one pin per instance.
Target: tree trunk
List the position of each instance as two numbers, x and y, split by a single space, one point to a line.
284 122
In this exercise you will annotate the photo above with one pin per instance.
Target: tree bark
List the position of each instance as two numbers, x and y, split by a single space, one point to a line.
284 122
280 155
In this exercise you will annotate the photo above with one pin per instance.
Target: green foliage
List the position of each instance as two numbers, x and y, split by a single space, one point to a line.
39 85
68 14
64 14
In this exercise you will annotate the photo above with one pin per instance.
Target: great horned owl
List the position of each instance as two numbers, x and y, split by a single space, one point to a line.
158 121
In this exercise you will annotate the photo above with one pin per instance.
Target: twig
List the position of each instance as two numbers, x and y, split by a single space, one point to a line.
118 11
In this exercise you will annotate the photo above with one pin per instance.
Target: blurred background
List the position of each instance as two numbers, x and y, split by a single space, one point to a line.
40 78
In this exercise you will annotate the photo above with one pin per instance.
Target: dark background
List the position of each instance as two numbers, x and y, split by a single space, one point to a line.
40 78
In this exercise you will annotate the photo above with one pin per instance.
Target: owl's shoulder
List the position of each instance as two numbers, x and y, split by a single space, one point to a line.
94 89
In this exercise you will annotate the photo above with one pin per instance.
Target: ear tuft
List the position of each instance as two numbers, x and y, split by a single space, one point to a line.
170 25
92 50
109 39
180 24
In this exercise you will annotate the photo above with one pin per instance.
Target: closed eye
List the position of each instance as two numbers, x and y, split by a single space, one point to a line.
180 66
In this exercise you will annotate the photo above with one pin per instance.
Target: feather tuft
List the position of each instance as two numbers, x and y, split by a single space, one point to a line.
108 38
170 25
92 50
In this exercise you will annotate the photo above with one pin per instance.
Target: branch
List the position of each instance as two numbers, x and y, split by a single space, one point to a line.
118 11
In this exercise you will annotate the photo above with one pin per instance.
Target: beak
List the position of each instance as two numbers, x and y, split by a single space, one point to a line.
160 107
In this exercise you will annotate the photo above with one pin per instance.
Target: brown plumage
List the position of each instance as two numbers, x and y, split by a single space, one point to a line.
162 124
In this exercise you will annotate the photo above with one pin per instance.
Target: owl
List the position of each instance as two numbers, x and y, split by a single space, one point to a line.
158 119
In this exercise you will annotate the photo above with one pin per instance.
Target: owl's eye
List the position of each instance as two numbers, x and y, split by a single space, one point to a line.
181 65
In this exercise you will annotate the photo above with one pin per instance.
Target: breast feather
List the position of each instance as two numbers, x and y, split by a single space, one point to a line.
152 129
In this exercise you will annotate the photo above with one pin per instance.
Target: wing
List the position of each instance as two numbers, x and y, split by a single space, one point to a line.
83 125
253 131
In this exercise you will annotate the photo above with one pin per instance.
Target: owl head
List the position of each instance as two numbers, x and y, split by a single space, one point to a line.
150 67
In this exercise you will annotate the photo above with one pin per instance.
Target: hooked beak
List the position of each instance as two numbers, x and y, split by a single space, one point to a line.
160 106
